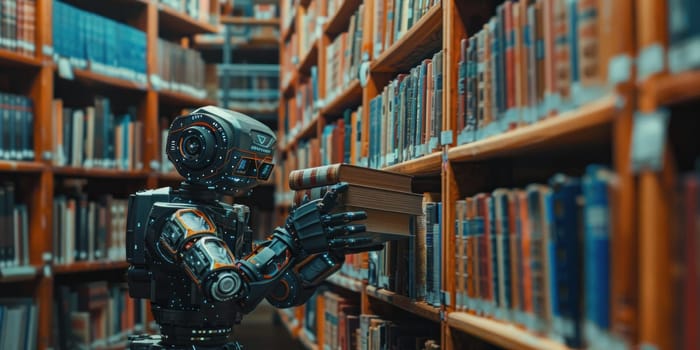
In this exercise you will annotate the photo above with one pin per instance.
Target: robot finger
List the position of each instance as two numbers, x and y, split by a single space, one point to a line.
362 249
346 230
329 199
345 243
344 218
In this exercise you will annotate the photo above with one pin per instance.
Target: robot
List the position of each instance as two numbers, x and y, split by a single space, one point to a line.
192 256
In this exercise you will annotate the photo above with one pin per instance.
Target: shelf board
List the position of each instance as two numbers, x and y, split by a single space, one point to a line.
346 282
288 30
90 266
675 88
499 333
292 325
304 3
288 90
350 98
21 166
428 164
173 176
90 78
249 21
99 173
177 23
309 60
308 344
419 308
568 128
174 98
309 130
254 44
423 39
14 59
18 274
340 21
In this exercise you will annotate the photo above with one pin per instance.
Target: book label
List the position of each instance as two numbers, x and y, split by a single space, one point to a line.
648 140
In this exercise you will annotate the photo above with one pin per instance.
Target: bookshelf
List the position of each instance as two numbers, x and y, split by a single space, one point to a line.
599 130
39 182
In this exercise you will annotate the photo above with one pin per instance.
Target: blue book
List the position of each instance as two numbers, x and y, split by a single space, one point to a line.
568 237
549 238
429 247
502 213
684 34
438 256
573 40
494 251
596 253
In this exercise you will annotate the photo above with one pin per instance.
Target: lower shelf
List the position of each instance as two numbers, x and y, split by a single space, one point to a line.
89 266
502 334
419 308
346 282
17 274
308 343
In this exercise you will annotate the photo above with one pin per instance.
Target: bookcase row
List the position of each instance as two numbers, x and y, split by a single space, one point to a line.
526 90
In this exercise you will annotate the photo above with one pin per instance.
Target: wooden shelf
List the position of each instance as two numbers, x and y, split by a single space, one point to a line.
308 344
91 78
288 30
419 308
18 274
569 128
292 325
423 39
428 164
174 176
350 98
254 44
90 266
340 20
14 59
249 21
288 89
21 166
309 60
309 130
99 173
502 334
174 98
675 88
179 24
346 282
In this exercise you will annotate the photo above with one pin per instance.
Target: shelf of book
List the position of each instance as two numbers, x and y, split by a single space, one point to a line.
286 31
675 88
306 131
340 20
14 59
567 128
346 282
351 97
21 166
423 39
291 324
174 98
100 173
287 87
176 23
502 334
90 78
90 266
18 274
418 308
309 59
249 21
428 164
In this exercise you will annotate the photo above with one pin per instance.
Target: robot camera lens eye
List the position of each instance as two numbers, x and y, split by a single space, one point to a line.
193 146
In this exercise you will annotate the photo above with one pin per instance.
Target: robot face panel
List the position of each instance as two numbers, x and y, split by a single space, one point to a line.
221 149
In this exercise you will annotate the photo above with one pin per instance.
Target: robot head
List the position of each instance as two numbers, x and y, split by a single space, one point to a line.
224 150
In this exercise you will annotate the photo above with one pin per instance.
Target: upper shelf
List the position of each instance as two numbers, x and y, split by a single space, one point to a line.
340 20
100 173
419 308
675 88
310 59
423 39
428 164
90 266
351 97
176 23
21 166
502 334
91 78
568 128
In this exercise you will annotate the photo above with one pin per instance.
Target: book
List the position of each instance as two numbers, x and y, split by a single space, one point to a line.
335 173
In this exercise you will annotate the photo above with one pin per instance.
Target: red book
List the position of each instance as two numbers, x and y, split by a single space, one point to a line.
510 54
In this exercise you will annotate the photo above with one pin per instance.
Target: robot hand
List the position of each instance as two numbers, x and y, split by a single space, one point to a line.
316 229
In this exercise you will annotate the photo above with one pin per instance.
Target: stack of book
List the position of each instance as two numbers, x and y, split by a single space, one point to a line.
386 198
96 314
16 127
406 118
179 70
539 256
14 232
532 60
18 324
94 137
197 9
18 26
344 56
376 333
85 40
400 16
86 229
